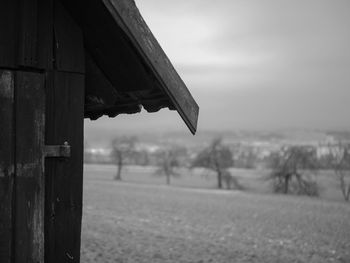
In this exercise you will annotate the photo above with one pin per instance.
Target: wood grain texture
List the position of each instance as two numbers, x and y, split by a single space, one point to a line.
69 45
30 183
8 33
63 208
35 33
6 164
26 34
45 34
128 17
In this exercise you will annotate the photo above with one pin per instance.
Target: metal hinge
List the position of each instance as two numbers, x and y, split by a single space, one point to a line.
57 150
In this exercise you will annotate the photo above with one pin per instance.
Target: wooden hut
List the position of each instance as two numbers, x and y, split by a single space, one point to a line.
61 61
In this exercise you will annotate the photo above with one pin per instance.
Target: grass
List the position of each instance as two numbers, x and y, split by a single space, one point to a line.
142 220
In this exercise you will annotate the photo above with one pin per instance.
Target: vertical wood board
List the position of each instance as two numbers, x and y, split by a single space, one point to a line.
68 42
6 164
45 34
8 33
35 31
63 208
28 33
30 183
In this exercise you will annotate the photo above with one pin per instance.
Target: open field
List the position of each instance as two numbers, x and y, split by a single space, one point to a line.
136 222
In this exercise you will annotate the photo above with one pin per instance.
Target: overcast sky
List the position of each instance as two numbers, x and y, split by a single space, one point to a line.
253 64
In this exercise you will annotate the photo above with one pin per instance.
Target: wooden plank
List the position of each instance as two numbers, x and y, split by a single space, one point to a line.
30 183
45 34
128 17
8 39
28 33
68 42
64 123
6 164
35 34
64 178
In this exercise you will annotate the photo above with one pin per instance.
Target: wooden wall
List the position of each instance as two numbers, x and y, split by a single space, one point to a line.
42 74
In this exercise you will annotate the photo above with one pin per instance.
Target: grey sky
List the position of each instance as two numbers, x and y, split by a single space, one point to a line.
259 64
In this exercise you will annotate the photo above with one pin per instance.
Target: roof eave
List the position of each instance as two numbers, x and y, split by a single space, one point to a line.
127 16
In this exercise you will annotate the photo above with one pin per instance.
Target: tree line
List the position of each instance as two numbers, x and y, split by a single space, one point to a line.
293 169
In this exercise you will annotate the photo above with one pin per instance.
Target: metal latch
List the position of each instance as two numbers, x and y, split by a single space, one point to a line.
57 150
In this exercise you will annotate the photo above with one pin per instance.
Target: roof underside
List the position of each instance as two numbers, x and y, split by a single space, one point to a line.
126 69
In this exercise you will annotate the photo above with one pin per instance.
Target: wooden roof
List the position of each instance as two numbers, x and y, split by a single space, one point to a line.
126 69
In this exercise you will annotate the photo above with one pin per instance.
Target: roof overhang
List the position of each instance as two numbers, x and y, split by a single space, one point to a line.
126 69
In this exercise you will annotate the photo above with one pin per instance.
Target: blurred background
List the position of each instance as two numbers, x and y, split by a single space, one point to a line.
267 176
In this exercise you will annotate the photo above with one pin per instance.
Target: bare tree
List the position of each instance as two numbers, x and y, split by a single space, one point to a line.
340 162
292 168
231 181
122 148
218 158
168 162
